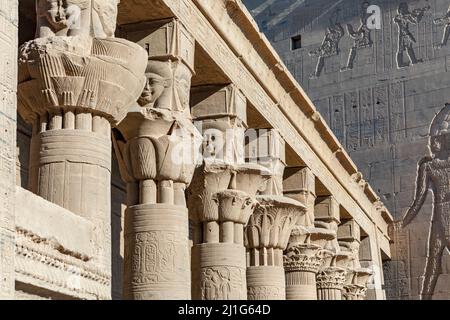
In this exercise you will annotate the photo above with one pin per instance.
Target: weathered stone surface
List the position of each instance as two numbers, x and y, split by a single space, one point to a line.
8 103
178 225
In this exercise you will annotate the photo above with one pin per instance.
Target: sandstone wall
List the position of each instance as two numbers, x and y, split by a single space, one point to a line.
8 87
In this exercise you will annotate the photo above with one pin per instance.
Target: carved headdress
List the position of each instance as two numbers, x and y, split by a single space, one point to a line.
441 122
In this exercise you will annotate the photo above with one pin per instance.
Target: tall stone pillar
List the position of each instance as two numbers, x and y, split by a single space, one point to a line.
8 111
331 276
222 195
357 278
157 155
267 233
76 81
305 253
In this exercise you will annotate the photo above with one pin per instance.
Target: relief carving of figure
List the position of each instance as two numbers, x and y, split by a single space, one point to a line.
406 39
216 284
434 174
168 86
361 37
96 18
329 46
443 21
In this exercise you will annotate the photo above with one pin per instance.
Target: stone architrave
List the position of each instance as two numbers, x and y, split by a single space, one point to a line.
222 195
269 228
306 249
8 112
357 278
76 81
157 153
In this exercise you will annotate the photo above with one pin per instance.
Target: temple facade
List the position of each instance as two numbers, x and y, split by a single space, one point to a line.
162 150
378 72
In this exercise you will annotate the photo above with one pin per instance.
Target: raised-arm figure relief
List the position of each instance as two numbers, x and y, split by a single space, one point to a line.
406 40
361 37
443 21
329 46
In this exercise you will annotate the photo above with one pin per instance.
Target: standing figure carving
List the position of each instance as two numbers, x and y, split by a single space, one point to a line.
434 174
443 21
406 39
329 46
361 37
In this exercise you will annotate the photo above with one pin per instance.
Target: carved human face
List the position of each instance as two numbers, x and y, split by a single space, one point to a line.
213 143
440 145
157 87
153 89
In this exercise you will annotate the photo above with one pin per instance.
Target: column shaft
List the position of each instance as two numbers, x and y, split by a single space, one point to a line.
266 283
157 256
72 168
157 154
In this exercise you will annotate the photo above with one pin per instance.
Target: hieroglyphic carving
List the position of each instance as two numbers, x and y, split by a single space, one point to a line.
366 118
266 293
337 117
351 103
443 21
329 46
361 37
433 172
381 114
397 108
406 39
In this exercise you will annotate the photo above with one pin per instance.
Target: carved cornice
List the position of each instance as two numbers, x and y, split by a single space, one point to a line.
40 264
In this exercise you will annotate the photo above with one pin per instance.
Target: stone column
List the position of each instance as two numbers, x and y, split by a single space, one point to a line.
221 196
357 278
157 155
267 233
331 276
75 82
8 111
305 253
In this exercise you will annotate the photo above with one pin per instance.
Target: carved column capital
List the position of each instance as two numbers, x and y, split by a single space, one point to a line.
331 278
354 292
271 224
68 74
234 206
303 257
